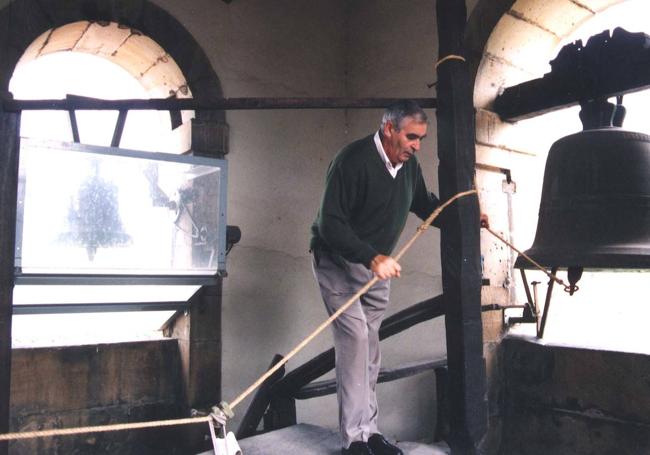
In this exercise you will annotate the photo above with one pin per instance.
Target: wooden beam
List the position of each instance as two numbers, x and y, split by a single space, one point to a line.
605 67
169 104
9 146
460 242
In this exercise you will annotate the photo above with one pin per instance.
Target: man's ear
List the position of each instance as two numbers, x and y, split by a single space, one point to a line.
388 130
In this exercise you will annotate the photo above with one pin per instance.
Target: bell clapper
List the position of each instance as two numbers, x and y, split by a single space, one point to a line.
573 275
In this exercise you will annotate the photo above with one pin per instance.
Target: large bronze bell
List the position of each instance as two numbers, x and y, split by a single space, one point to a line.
595 206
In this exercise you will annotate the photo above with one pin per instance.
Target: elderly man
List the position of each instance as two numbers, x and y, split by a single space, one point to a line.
371 186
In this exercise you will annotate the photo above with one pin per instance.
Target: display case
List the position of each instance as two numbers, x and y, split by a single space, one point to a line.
118 216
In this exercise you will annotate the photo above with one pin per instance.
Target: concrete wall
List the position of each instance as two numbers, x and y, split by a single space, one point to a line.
97 385
277 166
277 162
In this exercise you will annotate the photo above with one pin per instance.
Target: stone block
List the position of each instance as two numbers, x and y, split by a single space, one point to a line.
80 377
560 17
521 44
566 400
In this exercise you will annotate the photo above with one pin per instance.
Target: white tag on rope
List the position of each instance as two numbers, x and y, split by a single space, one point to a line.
227 445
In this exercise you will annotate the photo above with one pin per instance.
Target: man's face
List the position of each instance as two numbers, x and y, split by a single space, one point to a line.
400 145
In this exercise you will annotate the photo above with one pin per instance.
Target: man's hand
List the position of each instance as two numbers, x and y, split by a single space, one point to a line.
385 267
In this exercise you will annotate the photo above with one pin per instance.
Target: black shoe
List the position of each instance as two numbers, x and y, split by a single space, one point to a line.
358 448
380 446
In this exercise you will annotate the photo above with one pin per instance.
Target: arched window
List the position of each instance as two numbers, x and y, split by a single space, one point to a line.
610 306
107 61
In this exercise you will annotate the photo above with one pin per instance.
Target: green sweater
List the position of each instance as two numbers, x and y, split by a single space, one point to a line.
364 209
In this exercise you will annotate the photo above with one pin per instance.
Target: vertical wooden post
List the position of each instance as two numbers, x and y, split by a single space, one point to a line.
199 331
9 145
460 241
209 138
205 348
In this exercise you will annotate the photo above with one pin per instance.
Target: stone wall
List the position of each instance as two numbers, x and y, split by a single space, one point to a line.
566 400
97 385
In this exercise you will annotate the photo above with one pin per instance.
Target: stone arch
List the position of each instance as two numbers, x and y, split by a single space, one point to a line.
23 21
139 55
510 41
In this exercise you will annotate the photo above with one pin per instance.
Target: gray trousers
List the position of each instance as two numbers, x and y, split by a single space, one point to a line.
356 342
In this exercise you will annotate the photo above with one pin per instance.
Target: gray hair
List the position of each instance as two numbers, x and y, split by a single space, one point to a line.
397 112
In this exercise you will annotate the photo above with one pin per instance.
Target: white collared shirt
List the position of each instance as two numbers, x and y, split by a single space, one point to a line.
382 154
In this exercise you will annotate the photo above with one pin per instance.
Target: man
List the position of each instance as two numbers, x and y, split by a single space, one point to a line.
371 186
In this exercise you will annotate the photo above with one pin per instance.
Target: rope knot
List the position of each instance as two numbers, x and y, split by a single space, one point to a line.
221 413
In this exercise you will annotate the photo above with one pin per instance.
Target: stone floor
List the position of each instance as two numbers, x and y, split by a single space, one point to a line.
306 439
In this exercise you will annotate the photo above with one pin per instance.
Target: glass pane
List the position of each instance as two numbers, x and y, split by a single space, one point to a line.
39 294
88 209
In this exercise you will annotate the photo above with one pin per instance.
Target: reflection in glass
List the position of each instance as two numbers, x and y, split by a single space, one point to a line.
88 209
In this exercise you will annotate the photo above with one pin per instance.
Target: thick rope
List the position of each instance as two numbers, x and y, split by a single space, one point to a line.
528 258
256 384
449 57
102 428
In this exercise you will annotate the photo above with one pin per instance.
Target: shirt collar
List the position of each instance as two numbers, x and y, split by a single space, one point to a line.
382 154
